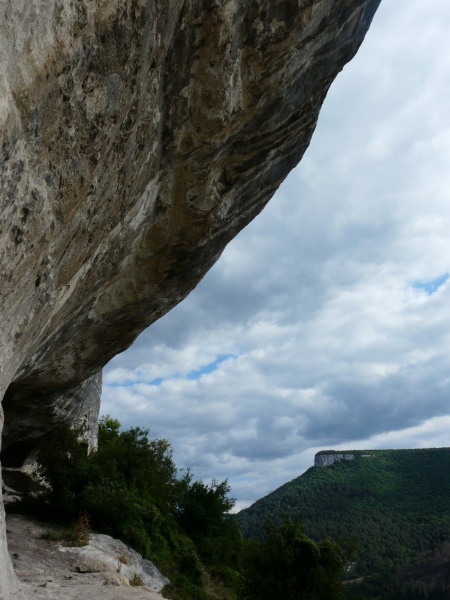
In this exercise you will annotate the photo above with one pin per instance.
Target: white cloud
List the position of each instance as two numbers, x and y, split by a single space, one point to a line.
318 305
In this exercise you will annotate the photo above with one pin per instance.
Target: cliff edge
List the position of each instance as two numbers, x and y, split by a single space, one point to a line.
136 139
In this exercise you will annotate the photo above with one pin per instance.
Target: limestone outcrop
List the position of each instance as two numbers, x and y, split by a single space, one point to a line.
324 460
101 570
136 139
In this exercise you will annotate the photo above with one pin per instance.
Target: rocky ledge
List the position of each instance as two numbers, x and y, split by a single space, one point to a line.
103 569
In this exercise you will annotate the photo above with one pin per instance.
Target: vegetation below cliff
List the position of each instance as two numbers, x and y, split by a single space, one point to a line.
373 527
129 489
392 506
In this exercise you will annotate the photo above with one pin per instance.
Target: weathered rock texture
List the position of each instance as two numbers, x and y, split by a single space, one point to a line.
137 138
324 460
102 570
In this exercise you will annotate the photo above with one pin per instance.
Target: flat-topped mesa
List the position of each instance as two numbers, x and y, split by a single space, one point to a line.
137 139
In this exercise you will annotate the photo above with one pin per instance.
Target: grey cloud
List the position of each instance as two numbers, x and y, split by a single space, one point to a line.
315 300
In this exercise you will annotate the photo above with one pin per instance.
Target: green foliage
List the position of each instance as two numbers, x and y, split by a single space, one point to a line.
63 466
291 566
392 504
202 511
202 507
129 488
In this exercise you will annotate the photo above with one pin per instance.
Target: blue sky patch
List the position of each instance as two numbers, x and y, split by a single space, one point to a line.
192 375
431 286
132 382
120 384
208 368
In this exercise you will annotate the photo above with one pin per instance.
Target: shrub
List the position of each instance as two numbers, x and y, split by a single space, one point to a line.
81 530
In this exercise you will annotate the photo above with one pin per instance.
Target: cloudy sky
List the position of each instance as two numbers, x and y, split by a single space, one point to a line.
326 323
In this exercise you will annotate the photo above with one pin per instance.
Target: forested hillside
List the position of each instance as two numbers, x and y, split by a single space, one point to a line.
393 504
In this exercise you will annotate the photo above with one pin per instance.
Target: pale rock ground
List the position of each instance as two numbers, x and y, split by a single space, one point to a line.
47 570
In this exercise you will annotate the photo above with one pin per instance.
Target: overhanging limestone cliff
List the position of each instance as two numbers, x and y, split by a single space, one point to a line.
137 138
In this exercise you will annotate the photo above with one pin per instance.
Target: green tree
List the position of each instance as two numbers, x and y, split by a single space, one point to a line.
203 512
202 507
63 468
291 566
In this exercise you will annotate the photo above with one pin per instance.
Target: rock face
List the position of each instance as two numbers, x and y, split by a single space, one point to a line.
136 139
79 404
324 460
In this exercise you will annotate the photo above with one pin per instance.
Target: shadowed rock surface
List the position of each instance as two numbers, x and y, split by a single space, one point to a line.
137 139
29 420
